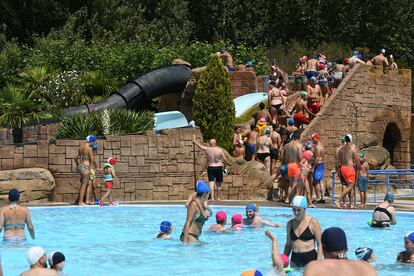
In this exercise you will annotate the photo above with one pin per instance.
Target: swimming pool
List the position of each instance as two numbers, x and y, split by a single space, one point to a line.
120 241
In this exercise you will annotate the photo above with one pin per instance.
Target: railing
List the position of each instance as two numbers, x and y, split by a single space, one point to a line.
401 178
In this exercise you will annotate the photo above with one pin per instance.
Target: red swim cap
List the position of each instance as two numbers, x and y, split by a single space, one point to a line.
111 161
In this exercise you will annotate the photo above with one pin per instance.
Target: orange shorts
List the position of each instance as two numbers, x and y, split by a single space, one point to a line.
293 170
348 173
109 184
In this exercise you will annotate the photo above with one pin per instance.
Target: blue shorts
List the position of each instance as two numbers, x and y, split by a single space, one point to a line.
311 74
319 172
362 183
251 148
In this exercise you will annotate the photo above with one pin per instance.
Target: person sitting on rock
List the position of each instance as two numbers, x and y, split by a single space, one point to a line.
228 59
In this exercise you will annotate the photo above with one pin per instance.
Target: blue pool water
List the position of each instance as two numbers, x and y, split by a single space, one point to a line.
120 241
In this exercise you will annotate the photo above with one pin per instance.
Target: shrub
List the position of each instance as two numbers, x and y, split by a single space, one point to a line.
123 121
213 106
79 126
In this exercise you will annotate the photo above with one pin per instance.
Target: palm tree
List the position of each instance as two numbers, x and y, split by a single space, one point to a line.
19 107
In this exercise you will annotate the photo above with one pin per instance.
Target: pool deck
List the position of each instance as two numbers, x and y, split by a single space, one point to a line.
400 205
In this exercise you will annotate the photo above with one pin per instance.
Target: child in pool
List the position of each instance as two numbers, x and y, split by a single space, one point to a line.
165 230
109 177
236 222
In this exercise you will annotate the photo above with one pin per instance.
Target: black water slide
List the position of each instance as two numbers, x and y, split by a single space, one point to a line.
140 89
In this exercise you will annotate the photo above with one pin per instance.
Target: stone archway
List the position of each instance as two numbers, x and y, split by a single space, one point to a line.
392 139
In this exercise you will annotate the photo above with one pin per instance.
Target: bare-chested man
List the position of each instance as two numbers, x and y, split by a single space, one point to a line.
299 110
252 136
275 98
315 99
292 155
216 161
228 59
335 247
36 256
256 221
347 165
262 113
312 67
380 59
393 64
355 59
318 168
239 152
83 161
274 148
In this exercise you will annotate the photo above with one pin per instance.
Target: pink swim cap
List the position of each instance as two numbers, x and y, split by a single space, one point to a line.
237 219
285 260
262 120
307 154
321 66
221 216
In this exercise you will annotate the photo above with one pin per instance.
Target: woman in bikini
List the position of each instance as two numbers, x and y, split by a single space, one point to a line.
86 158
263 148
302 233
197 214
14 218
276 100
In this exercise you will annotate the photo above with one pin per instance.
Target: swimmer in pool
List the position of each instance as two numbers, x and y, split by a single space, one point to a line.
302 234
384 213
14 218
407 256
256 221
365 254
165 230
280 261
221 219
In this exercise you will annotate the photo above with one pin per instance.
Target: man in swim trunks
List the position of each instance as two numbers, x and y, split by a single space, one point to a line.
256 221
407 256
86 158
216 162
312 67
252 136
334 245
393 64
384 214
292 155
318 168
228 59
315 99
299 110
347 162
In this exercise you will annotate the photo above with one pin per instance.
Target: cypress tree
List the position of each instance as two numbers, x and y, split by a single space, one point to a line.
213 106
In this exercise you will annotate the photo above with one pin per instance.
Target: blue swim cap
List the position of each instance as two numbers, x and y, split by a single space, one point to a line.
165 226
363 253
251 206
355 53
389 197
14 195
299 202
91 139
291 121
202 187
250 63
330 63
410 236
94 146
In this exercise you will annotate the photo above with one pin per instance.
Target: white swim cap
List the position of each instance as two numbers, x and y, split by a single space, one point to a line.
299 202
34 254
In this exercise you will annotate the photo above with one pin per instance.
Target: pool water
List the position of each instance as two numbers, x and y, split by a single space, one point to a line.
120 241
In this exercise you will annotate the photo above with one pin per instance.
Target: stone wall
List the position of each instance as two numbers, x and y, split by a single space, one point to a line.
151 166
31 134
246 82
382 99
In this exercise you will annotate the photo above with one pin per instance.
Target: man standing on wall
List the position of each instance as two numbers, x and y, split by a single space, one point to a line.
216 161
